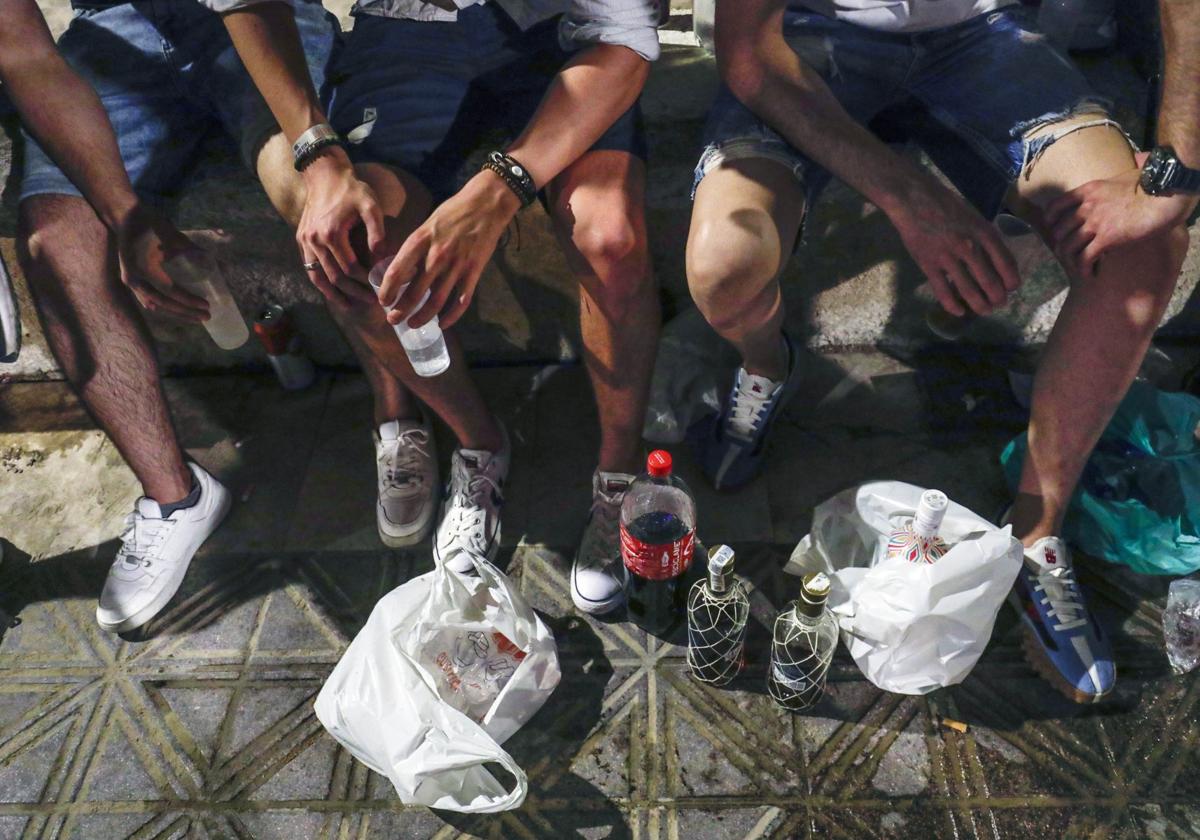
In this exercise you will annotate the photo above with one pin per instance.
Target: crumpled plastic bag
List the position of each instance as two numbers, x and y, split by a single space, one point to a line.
1181 625
693 369
910 627
414 696
1138 501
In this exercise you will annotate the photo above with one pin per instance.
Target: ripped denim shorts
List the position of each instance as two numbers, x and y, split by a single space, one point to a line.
969 94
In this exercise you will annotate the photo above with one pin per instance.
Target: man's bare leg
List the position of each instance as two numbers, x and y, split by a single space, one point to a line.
745 218
1100 338
453 395
99 337
598 208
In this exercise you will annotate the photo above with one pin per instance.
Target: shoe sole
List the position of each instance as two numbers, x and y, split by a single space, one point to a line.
399 540
1037 658
148 612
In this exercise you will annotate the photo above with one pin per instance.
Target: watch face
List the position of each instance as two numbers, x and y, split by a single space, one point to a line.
1155 171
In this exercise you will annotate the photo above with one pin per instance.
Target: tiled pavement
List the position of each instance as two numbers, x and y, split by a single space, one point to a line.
202 727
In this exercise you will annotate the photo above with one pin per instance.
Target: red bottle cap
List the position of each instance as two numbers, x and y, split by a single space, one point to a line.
659 464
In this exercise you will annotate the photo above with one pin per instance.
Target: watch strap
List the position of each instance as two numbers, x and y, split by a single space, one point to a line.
1186 180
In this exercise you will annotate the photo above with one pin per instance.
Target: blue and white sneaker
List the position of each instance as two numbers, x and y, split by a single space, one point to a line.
731 448
1063 641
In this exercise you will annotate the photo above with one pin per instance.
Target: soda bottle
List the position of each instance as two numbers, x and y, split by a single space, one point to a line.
802 646
425 345
199 273
917 540
718 609
658 536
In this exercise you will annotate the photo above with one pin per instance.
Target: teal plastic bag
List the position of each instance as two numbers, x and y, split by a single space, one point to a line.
1138 501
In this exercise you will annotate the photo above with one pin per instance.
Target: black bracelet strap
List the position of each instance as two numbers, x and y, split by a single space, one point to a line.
1189 180
312 150
514 174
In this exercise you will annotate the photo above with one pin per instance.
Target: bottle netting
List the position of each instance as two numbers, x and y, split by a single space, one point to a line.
798 667
717 633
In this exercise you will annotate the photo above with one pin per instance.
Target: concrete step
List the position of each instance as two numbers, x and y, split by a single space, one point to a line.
850 285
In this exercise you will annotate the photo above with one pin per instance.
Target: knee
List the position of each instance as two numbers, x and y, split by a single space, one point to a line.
618 257
730 276
51 229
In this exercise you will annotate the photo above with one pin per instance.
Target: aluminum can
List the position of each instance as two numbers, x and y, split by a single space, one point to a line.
284 349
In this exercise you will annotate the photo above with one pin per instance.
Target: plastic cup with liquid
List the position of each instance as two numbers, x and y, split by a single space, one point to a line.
199 272
425 345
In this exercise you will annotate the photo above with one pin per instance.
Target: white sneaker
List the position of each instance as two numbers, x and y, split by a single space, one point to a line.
406 464
598 576
155 554
10 318
471 512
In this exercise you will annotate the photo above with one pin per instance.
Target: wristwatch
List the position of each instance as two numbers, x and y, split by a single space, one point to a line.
1164 174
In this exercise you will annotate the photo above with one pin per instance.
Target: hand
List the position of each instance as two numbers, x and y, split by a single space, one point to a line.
145 241
963 256
448 253
337 202
1107 214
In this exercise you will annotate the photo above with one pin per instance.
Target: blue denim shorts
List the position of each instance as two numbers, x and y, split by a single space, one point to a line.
968 94
168 76
423 95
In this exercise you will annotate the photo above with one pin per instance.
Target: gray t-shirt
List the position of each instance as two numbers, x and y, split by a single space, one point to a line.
903 15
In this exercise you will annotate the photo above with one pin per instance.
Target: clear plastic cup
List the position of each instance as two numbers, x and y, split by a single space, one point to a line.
199 273
425 345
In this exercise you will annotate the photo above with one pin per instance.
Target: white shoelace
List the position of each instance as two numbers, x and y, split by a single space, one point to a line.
750 403
470 504
1062 594
141 537
402 464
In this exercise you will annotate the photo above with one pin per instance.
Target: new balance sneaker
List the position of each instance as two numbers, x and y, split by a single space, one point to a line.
406 466
1063 641
470 523
598 576
10 318
155 554
732 448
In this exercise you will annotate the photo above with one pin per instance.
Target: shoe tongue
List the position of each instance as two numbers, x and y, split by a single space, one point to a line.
613 482
389 430
1048 554
475 459
149 508
759 387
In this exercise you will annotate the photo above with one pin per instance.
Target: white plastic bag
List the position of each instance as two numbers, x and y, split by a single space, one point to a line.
693 369
434 652
910 627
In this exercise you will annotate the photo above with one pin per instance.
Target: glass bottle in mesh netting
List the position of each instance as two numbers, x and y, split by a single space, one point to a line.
917 540
718 610
802 646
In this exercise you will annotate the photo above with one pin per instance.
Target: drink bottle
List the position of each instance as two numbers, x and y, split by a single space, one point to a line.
285 350
917 540
425 345
658 536
802 646
199 273
718 609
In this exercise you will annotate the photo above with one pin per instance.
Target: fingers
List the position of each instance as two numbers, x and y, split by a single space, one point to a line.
405 271
1089 261
459 305
1002 261
979 264
943 292
1061 206
156 277
1069 250
967 288
442 286
372 219
153 300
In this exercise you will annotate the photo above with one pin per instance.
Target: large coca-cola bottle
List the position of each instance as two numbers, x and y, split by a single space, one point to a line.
658 536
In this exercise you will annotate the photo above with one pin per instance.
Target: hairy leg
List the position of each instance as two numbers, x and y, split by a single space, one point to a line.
1100 338
98 335
745 218
453 395
598 206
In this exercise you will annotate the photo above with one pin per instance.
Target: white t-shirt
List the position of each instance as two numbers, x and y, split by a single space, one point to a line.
903 15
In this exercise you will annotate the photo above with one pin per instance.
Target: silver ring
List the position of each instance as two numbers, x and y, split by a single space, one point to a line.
312 266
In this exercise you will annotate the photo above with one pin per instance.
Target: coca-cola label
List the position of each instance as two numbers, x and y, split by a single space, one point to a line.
657 561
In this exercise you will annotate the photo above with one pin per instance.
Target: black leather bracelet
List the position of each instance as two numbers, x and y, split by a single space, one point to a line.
514 174
309 153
